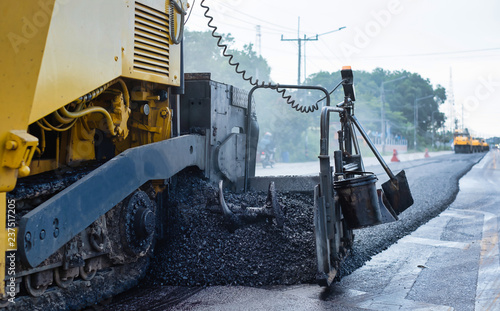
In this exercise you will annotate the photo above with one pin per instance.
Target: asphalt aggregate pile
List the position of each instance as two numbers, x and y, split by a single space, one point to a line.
201 250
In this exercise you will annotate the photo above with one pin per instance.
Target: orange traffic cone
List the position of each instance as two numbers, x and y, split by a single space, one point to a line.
426 155
394 156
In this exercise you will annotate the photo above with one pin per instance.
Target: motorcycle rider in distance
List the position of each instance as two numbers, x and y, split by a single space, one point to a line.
268 149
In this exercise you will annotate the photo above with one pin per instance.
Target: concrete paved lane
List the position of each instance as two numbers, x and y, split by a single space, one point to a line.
451 263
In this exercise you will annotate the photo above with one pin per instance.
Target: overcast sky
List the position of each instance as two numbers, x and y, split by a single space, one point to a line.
430 37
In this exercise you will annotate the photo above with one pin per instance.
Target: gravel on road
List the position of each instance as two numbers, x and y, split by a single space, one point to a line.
200 251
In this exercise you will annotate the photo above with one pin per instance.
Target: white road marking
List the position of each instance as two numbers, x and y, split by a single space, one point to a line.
457 213
437 243
409 262
427 239
488 280
393 295
387 303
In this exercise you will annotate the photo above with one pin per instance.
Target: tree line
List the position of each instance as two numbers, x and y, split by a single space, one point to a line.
296 135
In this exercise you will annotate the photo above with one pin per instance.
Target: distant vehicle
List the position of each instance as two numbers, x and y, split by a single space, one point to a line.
462 142
267 150
485 146
476 145
267 158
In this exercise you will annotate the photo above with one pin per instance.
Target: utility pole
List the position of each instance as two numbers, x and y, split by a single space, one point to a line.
305 39
463 115
382 112
258 37
299 41
451 99
433 127
415 119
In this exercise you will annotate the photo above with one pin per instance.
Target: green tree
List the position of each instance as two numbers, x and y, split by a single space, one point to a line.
399 101
203 55
298 133
273 114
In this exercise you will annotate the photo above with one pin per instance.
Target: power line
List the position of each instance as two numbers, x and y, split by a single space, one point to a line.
331 51
256 18
326 57
250 28
322 34
435 53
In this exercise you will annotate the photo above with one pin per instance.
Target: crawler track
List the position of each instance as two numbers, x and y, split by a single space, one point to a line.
93 266
80 294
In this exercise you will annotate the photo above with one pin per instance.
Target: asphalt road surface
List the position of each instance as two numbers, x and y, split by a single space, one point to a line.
450 263
442 254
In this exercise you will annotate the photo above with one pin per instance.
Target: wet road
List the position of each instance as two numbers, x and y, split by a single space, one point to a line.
450 263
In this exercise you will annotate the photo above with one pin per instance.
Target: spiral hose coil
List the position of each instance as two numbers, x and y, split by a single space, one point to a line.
297 106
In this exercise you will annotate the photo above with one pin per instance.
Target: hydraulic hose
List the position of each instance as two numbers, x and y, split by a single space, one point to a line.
84 112
68 118
45 125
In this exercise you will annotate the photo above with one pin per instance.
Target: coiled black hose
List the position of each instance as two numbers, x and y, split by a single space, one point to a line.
255 82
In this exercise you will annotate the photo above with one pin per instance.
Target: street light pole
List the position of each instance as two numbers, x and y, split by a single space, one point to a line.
313 38
382 112
415 119
433 129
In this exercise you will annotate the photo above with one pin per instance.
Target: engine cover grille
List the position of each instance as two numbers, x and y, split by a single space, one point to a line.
151 41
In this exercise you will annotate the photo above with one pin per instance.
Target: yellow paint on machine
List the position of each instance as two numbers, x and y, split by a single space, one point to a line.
103 40
23 31
54 51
